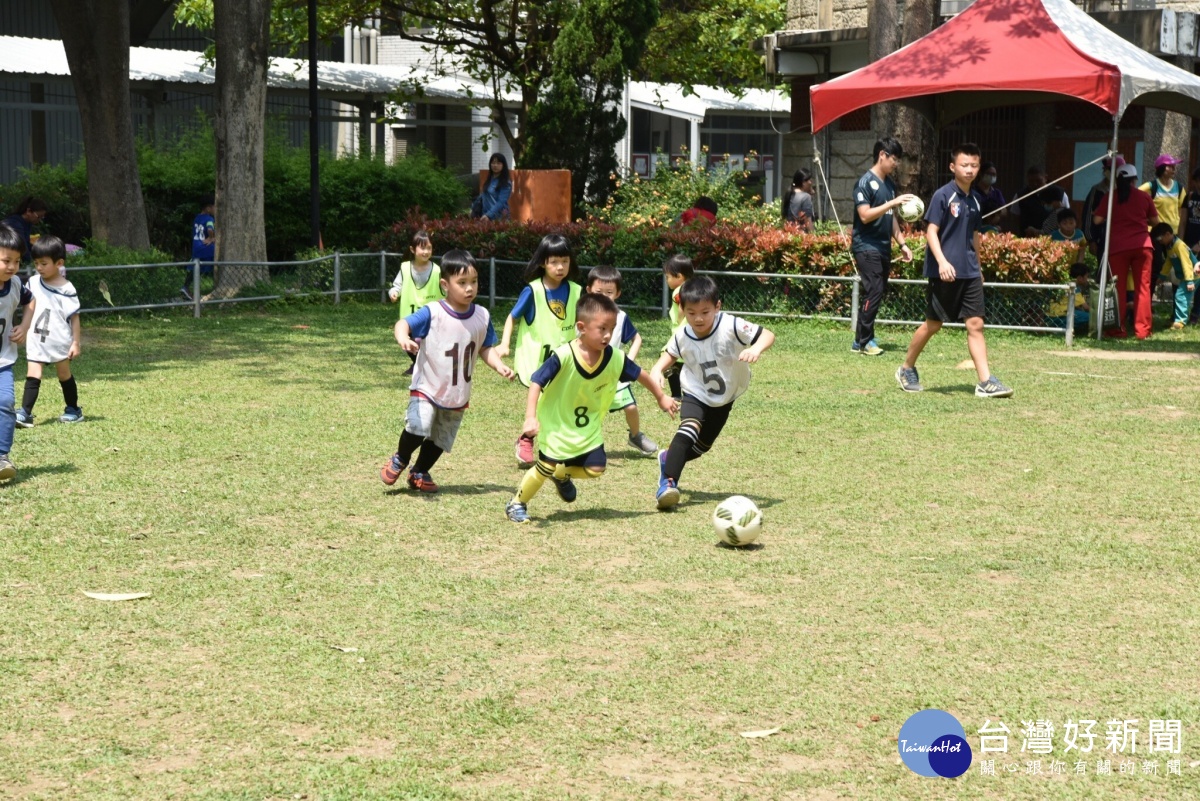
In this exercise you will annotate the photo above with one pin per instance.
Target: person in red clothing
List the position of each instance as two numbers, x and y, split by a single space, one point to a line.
1130 249
704 210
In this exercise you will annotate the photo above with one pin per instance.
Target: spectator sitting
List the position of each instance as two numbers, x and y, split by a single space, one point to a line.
1032 215
1058 309
991 199
1179 268
1067 232
1051 198
492 201
703 210
797 204
28 213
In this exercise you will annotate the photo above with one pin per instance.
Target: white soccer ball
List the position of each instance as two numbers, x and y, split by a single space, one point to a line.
912 210
737 520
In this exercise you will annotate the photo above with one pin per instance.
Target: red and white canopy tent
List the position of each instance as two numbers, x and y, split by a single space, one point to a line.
1010 52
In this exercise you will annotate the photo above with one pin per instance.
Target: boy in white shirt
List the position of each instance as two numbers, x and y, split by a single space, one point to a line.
54 338
12 295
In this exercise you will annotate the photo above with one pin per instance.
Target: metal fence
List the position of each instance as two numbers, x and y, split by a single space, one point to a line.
1019 307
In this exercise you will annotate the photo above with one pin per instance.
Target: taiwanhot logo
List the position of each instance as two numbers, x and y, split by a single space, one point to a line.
933 743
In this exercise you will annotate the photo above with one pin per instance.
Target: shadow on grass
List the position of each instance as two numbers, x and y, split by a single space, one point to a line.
24 473
597 513
754 546
952 390
451 489
760 501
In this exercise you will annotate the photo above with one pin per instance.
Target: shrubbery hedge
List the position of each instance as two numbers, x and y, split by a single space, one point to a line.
125 287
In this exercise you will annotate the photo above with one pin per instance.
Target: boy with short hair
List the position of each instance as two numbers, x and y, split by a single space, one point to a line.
12 294
453 332
717 350
1179 267
568 398
606 280
1067 231
676 270
55 337
955 281
204 239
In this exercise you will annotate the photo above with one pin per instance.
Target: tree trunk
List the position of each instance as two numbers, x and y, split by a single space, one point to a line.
242 33
95 36
883 37
915 133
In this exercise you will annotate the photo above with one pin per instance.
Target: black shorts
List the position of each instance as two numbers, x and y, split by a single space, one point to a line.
595 459
711 418
953 301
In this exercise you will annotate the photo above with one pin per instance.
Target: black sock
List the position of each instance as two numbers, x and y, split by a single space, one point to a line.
32 387
678 454
408 444
427 458
70 392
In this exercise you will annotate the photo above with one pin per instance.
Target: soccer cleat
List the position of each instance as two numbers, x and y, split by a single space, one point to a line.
992 388
854 347
422 481
872 349
71 414
525 455
908 379
392 470
24 419
647 446
515 511
668 491
7 468
566 489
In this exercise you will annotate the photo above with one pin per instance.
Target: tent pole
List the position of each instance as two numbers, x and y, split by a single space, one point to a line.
1112 180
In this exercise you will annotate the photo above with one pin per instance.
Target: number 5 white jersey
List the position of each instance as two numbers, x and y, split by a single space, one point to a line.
49 340
712 373
446 361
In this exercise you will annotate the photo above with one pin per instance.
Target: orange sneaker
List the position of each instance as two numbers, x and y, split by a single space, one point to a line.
422 482
392 470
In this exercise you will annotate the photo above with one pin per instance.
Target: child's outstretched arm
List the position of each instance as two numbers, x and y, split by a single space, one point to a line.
531 401
402 336
766 339
668 405
75 349
502 349
662 365
492 360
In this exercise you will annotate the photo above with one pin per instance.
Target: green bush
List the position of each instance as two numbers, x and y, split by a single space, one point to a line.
125 287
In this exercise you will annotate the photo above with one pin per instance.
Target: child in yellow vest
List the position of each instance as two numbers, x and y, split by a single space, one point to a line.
418 282
1179 268
676 270
544 317
569 395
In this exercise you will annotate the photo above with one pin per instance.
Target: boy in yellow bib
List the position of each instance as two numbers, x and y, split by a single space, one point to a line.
569 395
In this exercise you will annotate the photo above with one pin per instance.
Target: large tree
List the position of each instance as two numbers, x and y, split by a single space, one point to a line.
242 33
95 35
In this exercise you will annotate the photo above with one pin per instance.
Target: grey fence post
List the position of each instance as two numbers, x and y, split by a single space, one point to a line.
337 277
196 288
492 282
1070 324
383 288
666 299
854 287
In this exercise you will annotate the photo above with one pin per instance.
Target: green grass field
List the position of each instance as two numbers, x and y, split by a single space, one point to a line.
1029 559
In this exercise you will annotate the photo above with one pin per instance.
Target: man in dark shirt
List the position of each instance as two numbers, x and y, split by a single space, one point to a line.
875 226
955 288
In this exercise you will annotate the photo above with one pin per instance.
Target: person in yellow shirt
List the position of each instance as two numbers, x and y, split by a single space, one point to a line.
1169 197
1179 268
1057 313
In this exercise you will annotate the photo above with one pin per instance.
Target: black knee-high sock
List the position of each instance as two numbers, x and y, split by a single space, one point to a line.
70 391
32 387
427 458
408 444
678 454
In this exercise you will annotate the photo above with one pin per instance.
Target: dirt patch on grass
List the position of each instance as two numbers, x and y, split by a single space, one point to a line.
646 769
1128 355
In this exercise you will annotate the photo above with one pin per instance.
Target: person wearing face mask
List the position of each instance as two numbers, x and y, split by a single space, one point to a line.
990 198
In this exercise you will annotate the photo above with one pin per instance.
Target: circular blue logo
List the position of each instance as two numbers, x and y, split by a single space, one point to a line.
933 743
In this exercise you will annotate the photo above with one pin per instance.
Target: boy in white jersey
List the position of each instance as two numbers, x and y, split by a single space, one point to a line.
12 295
454 332
605 280
717 350
55 335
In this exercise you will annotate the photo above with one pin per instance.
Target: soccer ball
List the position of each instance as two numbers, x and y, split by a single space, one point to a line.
912 210
737 520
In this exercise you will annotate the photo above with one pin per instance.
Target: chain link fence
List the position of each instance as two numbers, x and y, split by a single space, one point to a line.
1022 307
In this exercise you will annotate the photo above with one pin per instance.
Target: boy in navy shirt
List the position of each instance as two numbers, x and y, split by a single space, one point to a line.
955 288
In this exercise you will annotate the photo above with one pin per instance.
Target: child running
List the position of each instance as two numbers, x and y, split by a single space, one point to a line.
606 281
717 350
544 317
676 270
419 280
12 295
55 338
568 398
452 333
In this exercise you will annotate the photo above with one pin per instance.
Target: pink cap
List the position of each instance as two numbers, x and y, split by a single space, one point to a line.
1120 162
1166 160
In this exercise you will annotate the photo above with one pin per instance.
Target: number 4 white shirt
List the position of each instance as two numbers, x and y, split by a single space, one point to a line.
49 340
712 373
